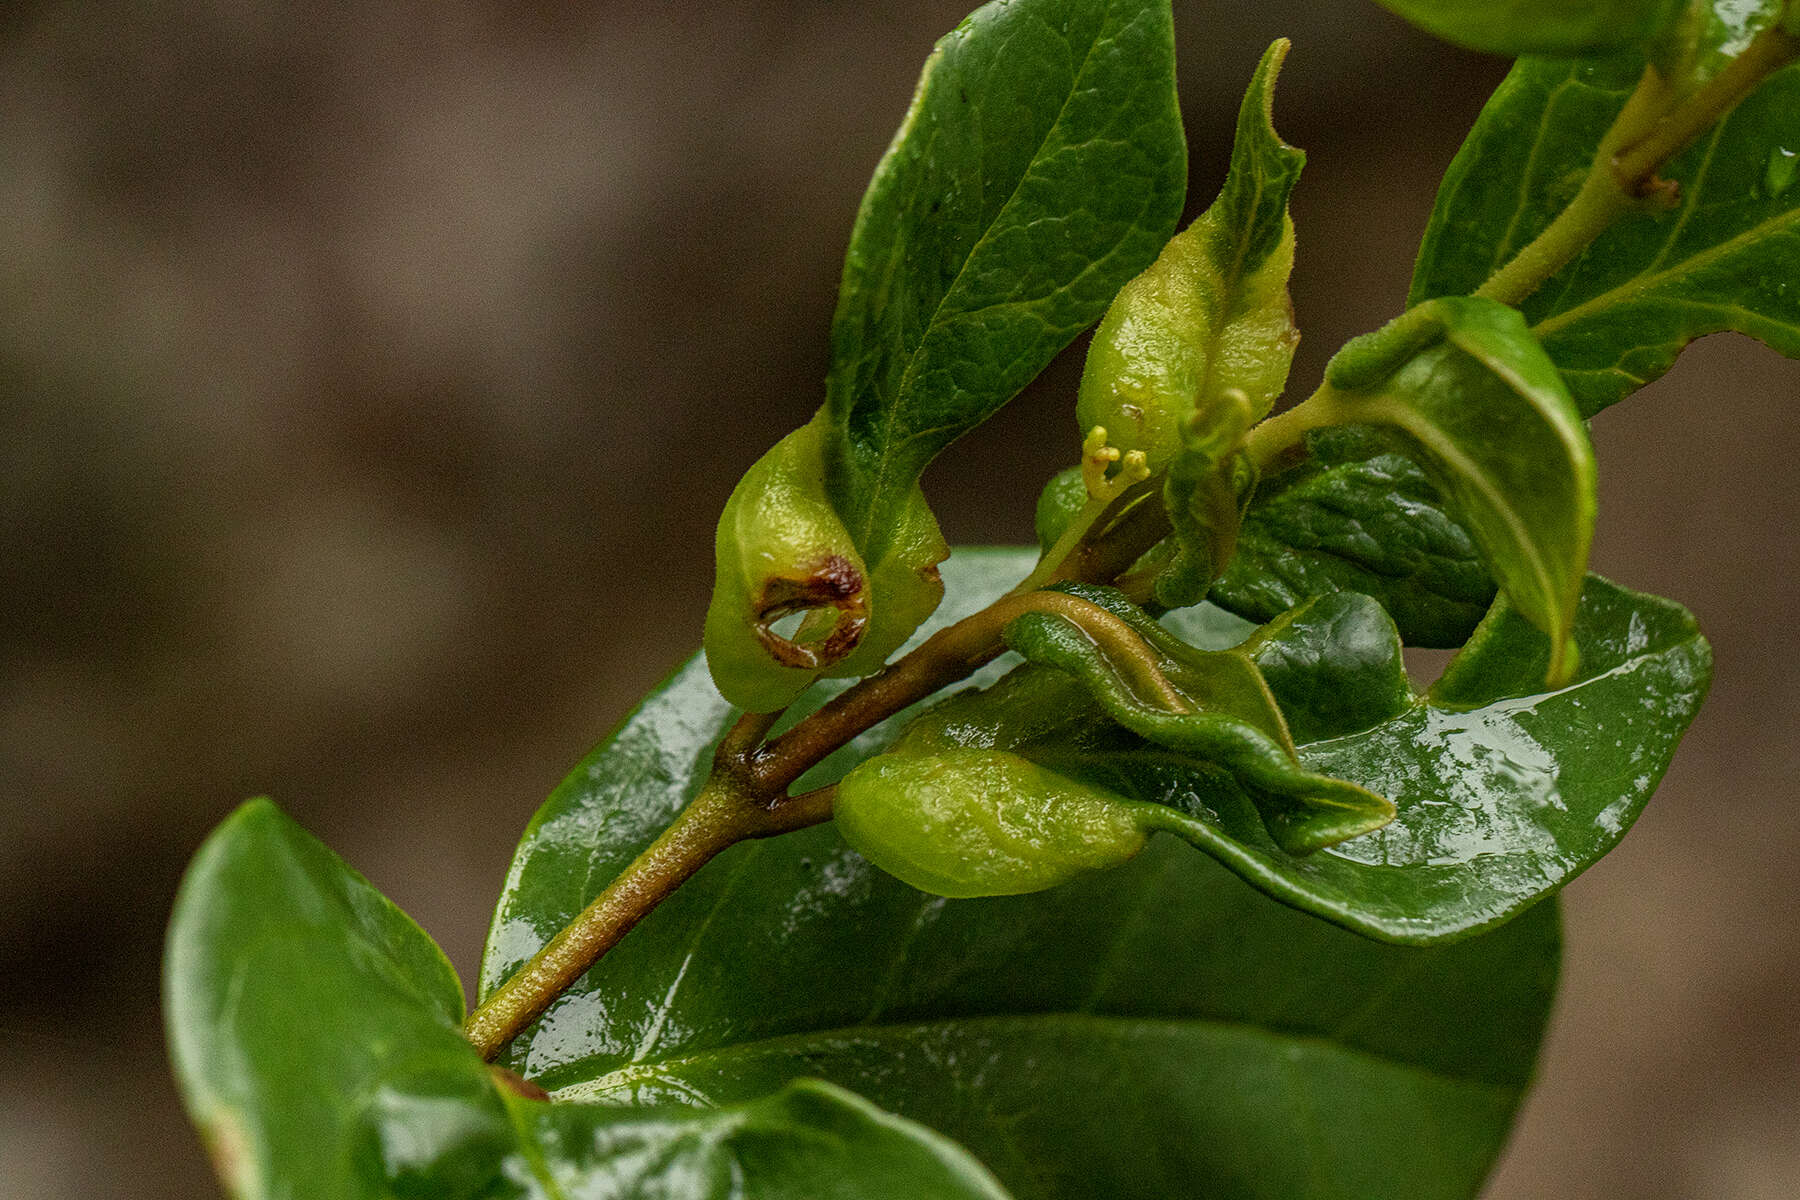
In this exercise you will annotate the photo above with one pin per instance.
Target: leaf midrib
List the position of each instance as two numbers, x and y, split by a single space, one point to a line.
1103 1024
1636 288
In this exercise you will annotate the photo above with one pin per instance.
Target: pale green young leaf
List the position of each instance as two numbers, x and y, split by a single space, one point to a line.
1216 709
1212 313
1197 348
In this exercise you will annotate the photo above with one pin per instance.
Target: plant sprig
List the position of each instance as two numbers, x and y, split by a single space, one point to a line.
747 794
1399 845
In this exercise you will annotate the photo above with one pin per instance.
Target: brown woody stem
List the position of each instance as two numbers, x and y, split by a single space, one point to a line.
746 794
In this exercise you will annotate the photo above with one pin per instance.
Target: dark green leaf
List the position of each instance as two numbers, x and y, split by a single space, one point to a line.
1539 26
1708 34
1474 400
316 1035
1218 1034
1355 517
1501 794
1156 1031
1617 317
1041 166
1504 792
1334 665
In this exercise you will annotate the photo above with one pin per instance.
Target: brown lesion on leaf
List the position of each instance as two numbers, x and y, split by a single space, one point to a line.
834 597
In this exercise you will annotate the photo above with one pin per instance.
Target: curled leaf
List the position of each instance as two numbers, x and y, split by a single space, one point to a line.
782 554
1010 789
791 593
1211 315
1196 349
1470 395
1216 707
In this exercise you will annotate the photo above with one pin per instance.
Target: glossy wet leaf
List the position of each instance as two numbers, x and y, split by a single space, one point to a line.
1159 1030
1617 317
1354 516
1539 26
316 1034
1472 398
1502 794
1008 790
1011 1022
1040 166
1211 707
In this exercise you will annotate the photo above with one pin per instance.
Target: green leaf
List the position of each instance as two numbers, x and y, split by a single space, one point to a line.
974 799
1197 348
1501 794
1040 166
1707 34
1212 314
1618 315
1334 665
1539 26
1161 1029
1355 517
1504 792
316 1035
1214 707
1475 401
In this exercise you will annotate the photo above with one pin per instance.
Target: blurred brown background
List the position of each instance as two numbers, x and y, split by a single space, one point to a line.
370 378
